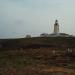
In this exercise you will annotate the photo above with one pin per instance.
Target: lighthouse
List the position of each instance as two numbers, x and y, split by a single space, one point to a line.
56 27
56 32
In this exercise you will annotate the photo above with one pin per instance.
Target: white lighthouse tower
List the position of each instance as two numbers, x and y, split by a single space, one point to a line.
56 27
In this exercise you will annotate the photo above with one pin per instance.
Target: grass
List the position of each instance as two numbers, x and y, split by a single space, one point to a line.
16 58
36 61
60 42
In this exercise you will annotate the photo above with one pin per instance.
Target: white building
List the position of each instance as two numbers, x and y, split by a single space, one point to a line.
28 36
56 32
44 35
56 27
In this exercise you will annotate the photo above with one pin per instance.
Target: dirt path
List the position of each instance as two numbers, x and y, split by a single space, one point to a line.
59 69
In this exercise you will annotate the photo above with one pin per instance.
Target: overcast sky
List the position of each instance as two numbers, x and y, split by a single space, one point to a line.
21 17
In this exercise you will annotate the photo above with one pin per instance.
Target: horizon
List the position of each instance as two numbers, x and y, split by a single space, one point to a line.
19 18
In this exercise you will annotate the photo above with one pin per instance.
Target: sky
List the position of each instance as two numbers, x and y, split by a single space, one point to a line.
19 18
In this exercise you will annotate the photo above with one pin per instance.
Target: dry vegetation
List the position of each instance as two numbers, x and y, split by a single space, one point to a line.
42 56
41 61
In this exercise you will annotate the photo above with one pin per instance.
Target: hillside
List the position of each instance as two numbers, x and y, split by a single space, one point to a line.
37 56
56 42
